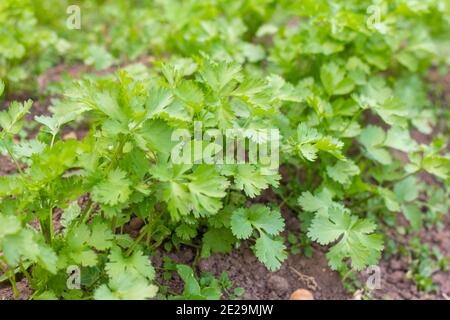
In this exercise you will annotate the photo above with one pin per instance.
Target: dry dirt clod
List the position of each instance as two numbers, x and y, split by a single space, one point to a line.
395 264
278 283
302 294
204 265
188 255
398 276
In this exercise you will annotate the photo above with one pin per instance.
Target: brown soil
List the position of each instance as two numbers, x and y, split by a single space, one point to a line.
245 271
259 283
313 273
7 294
6 166
395 283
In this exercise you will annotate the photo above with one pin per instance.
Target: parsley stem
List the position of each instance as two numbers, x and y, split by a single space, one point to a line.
50 225
86 212
117 153
141 236
390 183
11 277
359 201
19 168
4 270
114 224
346 275
285 202
53 141
413 173
25 272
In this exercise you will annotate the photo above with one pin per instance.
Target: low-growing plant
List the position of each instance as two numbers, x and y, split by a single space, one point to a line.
343 90
204 287
424 262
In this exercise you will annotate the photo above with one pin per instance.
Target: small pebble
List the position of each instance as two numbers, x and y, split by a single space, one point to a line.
278 283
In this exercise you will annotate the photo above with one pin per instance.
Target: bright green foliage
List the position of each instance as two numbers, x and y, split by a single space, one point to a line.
335 81
204 287
356 240
125 287
24 244
309 142
129 277
271 252
217 241
347 89
320 203
113 190
342 171
193 289
332 222
10 119
372 138
22 40
268 223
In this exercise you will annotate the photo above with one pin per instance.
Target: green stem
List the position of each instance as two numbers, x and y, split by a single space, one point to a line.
15 161
375 208
14 286
286 202
114 224
53 141
345 276
50 224
43 225
109 168
359 201
117 153
26 273
86 212
141 236
197 258
11 277
410 174
390 183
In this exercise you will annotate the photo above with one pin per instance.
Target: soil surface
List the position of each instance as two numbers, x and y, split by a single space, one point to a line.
313 273
394 271
6 166
245 271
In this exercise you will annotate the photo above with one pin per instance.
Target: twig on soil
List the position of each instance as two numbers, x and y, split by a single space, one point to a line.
308 280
